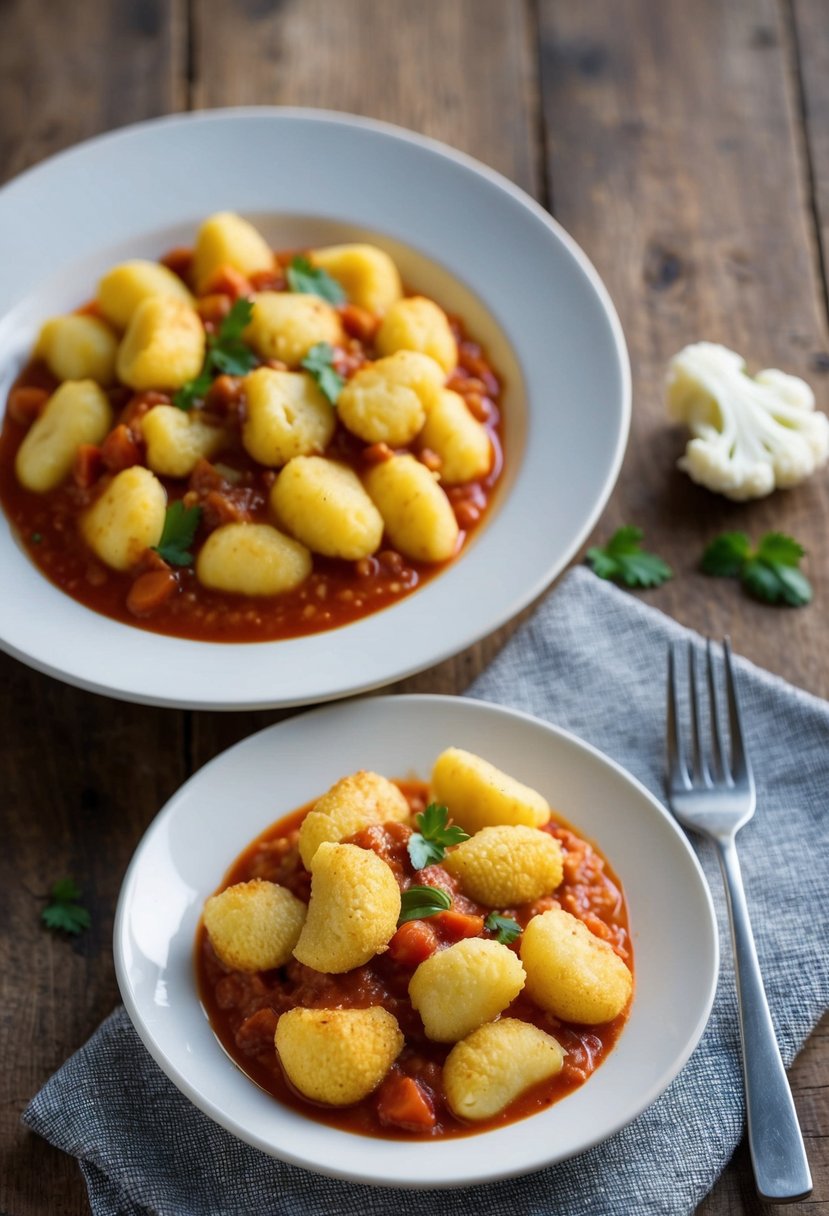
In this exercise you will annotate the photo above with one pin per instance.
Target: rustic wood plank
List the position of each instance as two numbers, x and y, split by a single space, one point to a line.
462 72
675 160
82 776
810 66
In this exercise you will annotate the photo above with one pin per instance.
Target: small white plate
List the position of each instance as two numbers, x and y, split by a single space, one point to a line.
193 841
461 233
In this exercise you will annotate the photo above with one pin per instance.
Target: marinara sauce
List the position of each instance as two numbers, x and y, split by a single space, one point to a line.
233 488
244 1008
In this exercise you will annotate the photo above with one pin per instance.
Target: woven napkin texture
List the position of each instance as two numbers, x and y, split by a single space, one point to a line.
592 660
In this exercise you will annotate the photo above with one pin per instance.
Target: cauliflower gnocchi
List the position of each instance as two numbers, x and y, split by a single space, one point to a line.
421 993
495 1064
254 925
481 796
324 441
463 986
355 903
337 1056
507 865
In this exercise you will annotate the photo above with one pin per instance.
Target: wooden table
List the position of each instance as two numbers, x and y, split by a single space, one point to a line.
685 145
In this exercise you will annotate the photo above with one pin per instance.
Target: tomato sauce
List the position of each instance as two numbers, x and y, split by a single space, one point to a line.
234 488
244 1008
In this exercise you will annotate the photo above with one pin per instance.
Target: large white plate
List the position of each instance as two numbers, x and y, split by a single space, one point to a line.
461 233
192 842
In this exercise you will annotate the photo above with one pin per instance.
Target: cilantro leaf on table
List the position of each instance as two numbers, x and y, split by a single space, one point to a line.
419 903
769 573
506 929
63 912
180 525
314 281
226 353
434 836
624 560
319 362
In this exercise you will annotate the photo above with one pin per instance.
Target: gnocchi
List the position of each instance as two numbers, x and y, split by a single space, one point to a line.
252 559
254 925
225 239
417 515
507 865
337 1056
125 287
418 324
78 347
127 519
388 401
493 1066
323 504
287 416
163 345
463 986
352 803
286 325
176 441
76 413
481 796
571 972
458 439
367 274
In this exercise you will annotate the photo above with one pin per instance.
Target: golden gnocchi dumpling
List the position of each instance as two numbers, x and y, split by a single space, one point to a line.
495 1064
387 401
355 903
460 441
177 440
418 324
337 1056
352 803
480 796
163 346
463 986
572 973
418 516
127 518
225 239
287 416
124 287
367 275
77 412
251 559
254 926
507 865
286 324
323 504
78 347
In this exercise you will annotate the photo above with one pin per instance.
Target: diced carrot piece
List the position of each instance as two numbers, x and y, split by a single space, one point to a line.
413 942
220 509
214 308
227 281
454 925
256 1034
401 1102
119 450
267 280
150 591
26 403
179 260
224 394
359 322
377 453
88 466
140 404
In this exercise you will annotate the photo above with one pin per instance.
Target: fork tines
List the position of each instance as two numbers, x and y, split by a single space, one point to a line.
714 763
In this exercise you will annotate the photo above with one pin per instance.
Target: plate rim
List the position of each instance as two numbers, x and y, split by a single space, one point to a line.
514 602
477 705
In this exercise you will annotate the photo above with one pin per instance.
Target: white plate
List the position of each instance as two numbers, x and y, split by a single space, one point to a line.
193 841
461 233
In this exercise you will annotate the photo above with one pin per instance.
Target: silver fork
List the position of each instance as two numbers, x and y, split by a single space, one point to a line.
711 791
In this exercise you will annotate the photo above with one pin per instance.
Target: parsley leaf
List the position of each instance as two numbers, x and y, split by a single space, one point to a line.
506 929
769 573
319 362
623 560
226 352
314 281
419 903
435 835
63 912
180 525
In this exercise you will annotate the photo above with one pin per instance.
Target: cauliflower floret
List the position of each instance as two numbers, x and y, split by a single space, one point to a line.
752 434
572 973
337 1056
463 986
495 1064
355 903
354 802
254 926
507 865
480 796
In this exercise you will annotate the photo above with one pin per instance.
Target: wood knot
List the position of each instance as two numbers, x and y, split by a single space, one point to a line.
663 267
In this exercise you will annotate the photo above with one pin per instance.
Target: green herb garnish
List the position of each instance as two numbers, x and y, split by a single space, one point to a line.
319 362
63 912
314 281
180 525
419 903
624 561
769 573
36 538
226 352
506 929
429 844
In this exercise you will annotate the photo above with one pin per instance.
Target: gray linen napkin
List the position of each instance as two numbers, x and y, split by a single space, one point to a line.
590 660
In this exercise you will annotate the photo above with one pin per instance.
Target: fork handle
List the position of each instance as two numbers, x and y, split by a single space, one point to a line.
781 1168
